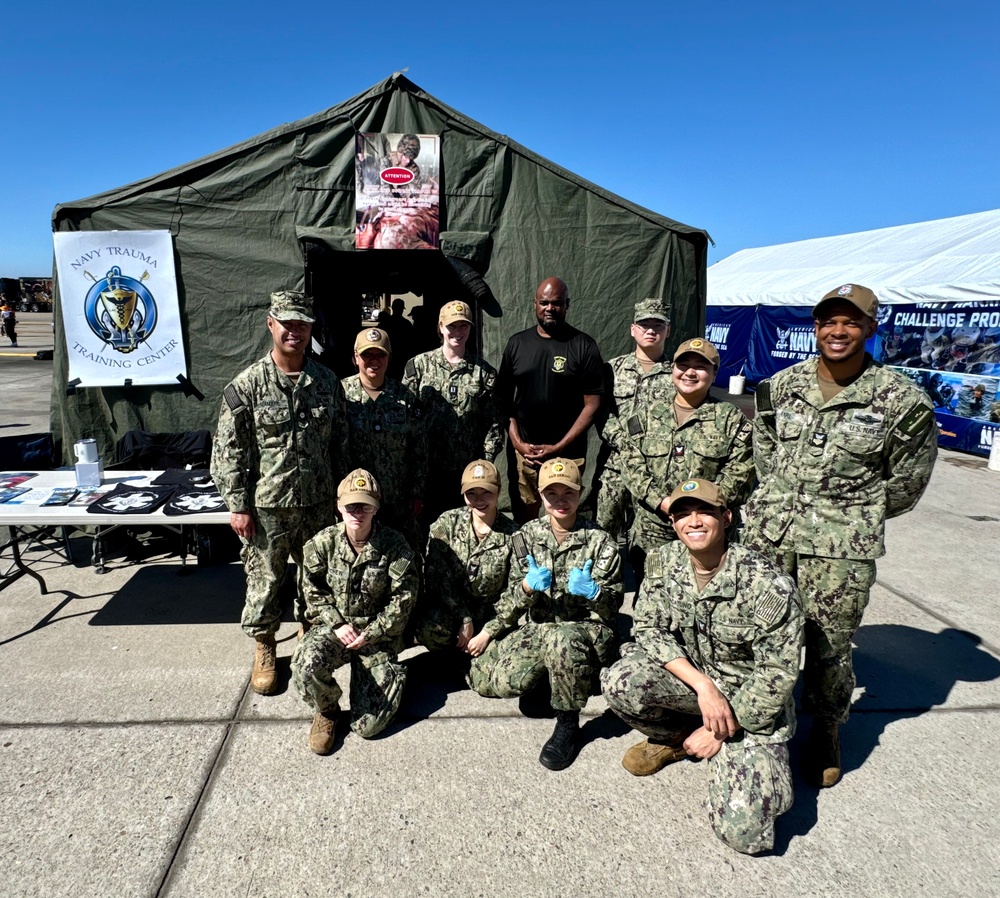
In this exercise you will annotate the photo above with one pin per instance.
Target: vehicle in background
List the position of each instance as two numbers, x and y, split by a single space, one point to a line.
27 294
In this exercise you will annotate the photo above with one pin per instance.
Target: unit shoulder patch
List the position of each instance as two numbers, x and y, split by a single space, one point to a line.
914 421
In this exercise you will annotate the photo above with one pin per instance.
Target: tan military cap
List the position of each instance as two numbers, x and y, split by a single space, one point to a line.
481 474
359 486
372 338
560 470
699 490
454 311
861 298
699 346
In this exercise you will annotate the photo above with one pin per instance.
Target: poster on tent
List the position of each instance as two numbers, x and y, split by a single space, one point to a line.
728 328
397 190
121 319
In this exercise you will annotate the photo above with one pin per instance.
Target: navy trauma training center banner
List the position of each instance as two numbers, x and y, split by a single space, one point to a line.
952 350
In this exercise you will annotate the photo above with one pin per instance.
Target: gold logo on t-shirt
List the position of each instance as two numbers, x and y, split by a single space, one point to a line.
559 364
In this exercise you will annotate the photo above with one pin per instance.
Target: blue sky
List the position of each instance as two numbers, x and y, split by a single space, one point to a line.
761 123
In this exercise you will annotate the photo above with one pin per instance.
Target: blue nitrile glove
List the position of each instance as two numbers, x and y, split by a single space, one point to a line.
581 583
538 578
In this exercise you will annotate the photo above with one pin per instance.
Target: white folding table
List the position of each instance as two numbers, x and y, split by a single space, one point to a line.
17 517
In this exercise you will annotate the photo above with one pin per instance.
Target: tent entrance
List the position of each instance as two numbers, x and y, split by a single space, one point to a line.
401 291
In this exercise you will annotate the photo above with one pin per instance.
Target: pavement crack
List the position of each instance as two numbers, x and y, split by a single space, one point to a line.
213 768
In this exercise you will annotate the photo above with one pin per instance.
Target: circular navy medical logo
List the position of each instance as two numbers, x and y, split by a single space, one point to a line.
120 310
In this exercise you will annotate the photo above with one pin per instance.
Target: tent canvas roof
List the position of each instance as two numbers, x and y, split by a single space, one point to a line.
948 260
250 219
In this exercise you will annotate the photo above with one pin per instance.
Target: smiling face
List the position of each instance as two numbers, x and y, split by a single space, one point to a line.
456 335
290 338
841 331
483 502
372 365
700 526
692 376
561 502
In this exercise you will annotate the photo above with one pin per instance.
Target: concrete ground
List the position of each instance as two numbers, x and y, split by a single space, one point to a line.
135 761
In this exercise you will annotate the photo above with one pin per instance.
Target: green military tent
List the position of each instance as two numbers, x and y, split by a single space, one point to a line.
278 212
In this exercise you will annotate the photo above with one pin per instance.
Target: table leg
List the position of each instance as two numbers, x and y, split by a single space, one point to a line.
97 559
22 568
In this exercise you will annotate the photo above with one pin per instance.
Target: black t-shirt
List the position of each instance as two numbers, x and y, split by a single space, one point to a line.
542 382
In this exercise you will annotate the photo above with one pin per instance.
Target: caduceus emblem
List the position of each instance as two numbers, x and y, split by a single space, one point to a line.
120 306
120 309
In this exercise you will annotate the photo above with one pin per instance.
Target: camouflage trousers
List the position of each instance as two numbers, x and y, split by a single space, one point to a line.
614 502
436 626
281 532
749 782
572 653
377 679
834 595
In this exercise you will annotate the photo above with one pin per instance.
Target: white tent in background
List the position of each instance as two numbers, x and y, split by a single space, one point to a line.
948 260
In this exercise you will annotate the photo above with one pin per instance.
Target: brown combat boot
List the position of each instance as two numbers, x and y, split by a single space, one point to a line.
322 731
264 679
648 757
822 756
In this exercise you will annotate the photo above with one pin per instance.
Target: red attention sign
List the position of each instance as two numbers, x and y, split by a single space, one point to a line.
396 175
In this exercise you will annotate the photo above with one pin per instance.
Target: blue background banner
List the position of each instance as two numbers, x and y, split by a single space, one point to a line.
782 336
728 328
951 349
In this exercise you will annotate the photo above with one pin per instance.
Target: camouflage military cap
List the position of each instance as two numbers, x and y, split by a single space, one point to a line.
482 475
979 388
699 346
651 308
286 305
372 338
454 311
700 491
860 297
560 470
359 486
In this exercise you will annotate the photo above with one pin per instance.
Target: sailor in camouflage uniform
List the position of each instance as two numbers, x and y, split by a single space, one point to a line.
678 432
459 408
466 567
361 585
644 372
280 445
841 444
566 578
718 631
387 435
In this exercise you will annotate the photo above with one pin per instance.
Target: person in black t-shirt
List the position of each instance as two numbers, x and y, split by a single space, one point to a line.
549 387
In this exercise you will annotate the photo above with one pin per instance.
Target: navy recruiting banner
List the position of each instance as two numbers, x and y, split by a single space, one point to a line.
121 320
728 328
952 350
397 191
782 336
